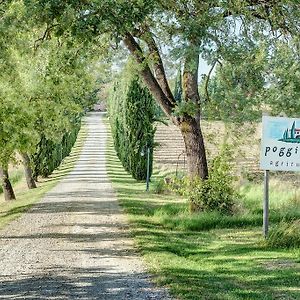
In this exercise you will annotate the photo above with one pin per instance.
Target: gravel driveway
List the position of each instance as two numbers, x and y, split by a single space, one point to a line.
74 244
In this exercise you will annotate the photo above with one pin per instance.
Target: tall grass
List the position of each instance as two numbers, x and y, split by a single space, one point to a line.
285 235
284 197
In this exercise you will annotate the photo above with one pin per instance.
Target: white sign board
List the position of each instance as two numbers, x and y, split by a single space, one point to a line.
280 145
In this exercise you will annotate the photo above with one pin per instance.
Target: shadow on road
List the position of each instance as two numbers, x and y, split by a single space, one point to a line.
79 283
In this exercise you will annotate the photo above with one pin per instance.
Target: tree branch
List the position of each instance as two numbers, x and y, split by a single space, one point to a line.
45 36
148 77
158 65
268 6
207 80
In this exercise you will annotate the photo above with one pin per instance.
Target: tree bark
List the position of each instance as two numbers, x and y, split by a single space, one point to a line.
195 149
6 185
190 79
191 125
28 171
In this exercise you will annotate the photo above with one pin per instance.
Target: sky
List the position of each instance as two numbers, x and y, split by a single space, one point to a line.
203 67
275 126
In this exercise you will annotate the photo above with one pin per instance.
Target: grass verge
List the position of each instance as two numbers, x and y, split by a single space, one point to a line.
198 260
26 198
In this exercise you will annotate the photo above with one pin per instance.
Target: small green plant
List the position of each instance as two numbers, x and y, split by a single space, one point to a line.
217 193
158 186
285 235
176 184
255 177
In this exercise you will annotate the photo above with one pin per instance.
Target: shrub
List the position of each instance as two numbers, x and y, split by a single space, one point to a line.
177 185
158 186
285 235
217 193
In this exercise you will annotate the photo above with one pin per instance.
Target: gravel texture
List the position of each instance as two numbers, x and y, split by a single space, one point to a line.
74 244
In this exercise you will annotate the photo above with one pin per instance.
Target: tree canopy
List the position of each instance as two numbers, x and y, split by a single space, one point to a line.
235 33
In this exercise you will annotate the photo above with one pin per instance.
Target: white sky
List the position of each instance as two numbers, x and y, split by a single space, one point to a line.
203 67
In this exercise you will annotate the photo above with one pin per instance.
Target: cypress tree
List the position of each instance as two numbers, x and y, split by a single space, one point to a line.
293 130
131 110
139 115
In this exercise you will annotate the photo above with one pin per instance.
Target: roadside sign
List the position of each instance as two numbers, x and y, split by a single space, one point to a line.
280 151
280 145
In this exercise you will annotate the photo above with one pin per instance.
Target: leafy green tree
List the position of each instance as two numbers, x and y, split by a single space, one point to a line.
235 92
139 118
283 90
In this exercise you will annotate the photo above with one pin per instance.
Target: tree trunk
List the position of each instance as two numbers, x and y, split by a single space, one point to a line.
195 149
190 126
28 171
6 185
190 79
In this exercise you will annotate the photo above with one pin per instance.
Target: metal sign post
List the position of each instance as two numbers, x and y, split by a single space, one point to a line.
148 169
266 204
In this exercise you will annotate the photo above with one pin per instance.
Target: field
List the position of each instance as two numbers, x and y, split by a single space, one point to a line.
209 255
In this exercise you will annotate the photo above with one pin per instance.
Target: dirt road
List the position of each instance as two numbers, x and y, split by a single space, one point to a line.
74 244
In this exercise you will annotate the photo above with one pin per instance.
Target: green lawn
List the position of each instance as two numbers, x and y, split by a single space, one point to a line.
208 256
26 198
